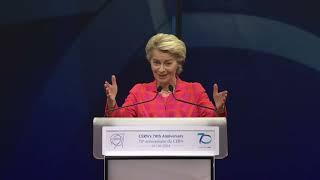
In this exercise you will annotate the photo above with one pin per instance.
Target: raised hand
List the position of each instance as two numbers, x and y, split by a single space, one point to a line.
219 98
111 91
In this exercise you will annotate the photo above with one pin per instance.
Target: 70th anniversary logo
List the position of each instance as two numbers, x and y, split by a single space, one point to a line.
204 138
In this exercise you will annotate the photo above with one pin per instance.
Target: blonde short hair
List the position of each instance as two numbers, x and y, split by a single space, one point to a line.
167 43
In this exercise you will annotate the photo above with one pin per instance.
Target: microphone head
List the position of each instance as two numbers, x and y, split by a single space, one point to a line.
159 88
170 88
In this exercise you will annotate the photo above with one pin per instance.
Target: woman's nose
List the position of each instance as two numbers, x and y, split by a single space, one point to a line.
161 69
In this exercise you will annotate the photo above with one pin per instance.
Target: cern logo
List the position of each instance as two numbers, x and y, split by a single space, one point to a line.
117 140
204 138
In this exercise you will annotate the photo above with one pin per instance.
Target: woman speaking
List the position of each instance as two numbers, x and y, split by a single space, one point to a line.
167 95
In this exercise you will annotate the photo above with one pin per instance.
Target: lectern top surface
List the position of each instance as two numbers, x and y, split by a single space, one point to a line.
211 121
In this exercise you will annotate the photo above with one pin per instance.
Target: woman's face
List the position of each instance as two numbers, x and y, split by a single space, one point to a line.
164 67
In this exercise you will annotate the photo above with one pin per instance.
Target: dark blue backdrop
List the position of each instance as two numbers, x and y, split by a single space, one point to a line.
55 56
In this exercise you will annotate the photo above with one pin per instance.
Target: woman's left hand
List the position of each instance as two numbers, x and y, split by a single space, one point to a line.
219 98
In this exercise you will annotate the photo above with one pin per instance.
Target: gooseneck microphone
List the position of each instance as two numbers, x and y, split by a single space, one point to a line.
159 88
194 104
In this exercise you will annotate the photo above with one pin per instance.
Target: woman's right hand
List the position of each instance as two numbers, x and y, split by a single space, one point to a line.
111 91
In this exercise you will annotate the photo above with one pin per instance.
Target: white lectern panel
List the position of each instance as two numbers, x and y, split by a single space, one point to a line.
159 169
160 141
220 122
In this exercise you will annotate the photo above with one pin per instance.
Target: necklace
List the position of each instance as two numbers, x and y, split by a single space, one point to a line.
165 91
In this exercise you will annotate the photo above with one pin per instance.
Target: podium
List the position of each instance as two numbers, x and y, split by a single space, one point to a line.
159 148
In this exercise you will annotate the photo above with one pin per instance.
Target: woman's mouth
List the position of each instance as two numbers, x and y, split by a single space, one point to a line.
162 76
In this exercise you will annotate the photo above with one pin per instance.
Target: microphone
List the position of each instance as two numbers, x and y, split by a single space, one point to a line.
159 88
199 105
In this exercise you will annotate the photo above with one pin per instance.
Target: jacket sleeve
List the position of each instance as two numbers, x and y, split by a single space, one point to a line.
204 100
126 111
